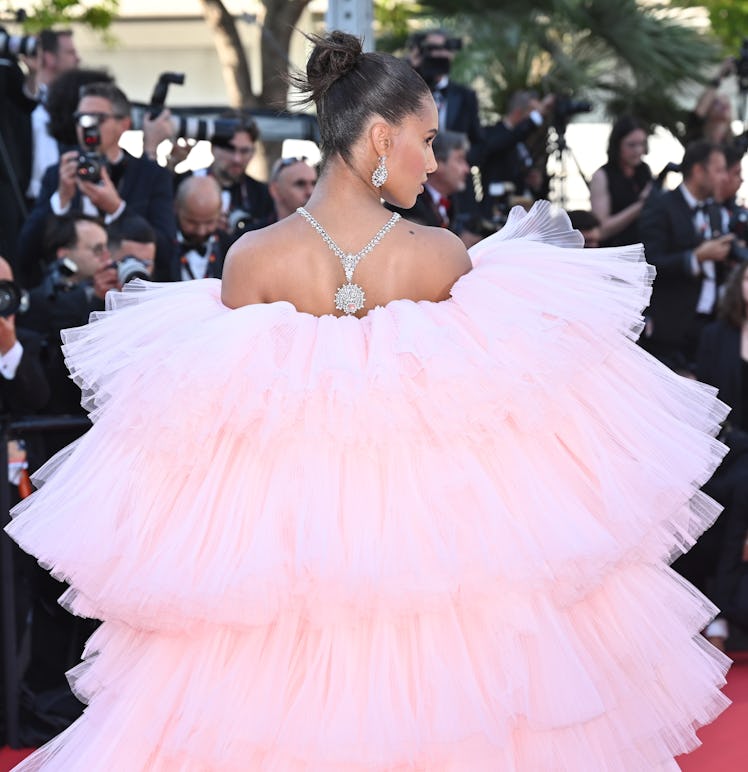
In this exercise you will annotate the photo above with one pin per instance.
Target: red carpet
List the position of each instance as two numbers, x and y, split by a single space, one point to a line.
725 747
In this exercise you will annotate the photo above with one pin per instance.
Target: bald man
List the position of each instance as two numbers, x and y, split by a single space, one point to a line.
201 246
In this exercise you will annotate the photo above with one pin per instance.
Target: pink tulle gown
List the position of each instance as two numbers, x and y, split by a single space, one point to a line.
435 538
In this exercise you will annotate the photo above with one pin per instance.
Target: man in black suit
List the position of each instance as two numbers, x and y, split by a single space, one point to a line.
683 237
437 205
201 245
432 53
506 158
127 184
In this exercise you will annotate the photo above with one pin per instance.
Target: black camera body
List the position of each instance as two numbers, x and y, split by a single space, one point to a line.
90 161
566 107
12 46
450 44
13 299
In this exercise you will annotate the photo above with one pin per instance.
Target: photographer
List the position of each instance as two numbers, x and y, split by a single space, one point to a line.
431 53
103 180
132 244
711 119
506 157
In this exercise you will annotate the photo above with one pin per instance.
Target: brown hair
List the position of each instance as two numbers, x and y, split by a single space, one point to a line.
731 307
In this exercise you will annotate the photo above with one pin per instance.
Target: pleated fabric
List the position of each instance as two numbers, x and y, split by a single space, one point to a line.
434 538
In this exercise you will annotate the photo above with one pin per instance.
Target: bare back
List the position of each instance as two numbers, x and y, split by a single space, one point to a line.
290 261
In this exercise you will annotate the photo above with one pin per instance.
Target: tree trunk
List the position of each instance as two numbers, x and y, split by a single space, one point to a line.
281 18
231 54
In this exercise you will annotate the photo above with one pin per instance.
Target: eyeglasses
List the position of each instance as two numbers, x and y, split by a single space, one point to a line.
94 119
227 147
98 249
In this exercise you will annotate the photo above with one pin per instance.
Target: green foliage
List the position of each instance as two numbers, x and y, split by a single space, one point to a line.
623 55
728 18
43 14
393 23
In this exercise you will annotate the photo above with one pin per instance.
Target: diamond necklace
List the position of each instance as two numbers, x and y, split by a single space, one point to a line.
350 297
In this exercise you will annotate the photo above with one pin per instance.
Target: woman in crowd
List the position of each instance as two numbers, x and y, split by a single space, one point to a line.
375 504
618 189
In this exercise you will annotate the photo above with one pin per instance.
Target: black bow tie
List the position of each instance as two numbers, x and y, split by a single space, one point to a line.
201 249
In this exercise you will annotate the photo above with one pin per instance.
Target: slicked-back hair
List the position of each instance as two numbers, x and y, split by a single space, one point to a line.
350 87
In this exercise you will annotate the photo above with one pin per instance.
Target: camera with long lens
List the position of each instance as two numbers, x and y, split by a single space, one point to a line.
89 158
130 267
59 277
13 299
218 130
565 107
12 46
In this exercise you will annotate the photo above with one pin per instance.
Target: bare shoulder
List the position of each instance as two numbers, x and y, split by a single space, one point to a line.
250 264
440 259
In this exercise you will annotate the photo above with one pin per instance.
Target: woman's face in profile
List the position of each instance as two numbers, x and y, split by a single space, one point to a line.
411 158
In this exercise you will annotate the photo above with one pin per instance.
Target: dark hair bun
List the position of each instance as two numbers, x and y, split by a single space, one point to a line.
333 56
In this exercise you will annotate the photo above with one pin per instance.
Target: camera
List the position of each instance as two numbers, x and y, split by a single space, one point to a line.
13 299
59 277
129 268
12 46
89 158
566 107
450 44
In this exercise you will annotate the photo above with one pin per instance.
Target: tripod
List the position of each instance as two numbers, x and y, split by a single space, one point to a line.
558 148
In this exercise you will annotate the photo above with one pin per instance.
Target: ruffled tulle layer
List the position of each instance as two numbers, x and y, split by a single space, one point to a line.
433 538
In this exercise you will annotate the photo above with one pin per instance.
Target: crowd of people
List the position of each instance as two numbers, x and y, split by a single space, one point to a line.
76 224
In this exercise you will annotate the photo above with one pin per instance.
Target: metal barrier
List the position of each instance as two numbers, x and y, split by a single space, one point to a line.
11 429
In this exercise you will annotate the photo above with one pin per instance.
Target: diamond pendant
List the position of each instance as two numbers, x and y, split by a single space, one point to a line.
349 298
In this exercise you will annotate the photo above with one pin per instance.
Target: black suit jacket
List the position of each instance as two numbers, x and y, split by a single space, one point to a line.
15 162
669 236
426 212
29 390
463 116
719 364
145 188
501 159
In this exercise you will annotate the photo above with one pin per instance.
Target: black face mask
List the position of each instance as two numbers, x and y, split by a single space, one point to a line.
433 69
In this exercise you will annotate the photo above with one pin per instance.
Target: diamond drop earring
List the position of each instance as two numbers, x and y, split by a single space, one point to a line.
379 175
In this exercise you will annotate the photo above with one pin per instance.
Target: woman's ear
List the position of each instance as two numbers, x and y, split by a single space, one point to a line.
381 137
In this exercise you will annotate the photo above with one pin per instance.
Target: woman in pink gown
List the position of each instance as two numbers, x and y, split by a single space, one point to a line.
375 504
